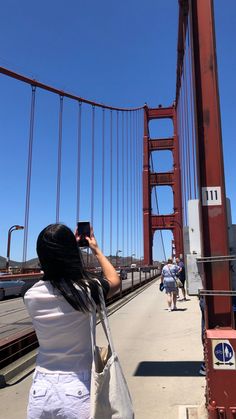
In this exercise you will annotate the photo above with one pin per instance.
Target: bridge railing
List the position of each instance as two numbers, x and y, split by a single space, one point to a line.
17 344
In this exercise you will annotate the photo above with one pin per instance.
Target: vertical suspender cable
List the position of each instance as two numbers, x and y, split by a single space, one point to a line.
117 181
93 164
123 186
131 183
193 112
59 160
111 179
79 160
135 182
127 182
184 154
182 149
29 171
103 173
188 129
191 148
180 145
140 206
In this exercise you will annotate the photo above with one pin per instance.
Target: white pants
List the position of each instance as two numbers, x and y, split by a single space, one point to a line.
59 396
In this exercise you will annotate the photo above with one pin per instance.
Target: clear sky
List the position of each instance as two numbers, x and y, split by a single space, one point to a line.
118 53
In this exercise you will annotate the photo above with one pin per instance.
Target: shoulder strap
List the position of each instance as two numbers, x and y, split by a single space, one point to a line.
171 274
102 312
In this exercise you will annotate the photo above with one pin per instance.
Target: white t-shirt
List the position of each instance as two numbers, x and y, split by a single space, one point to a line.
63 332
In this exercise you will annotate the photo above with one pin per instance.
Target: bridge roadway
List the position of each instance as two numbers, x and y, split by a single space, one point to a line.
14 317
160 352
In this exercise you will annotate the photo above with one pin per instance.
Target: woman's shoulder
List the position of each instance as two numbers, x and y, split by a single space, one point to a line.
165 268
94 286
38 287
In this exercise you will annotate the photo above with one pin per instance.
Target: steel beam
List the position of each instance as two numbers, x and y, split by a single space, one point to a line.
220 337
157 113
162 179
163 222
161 144
211 169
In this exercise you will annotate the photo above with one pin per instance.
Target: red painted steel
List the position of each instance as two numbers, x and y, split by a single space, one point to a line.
152 222
147 210
162 222
221 383
161 144
211 170
162 179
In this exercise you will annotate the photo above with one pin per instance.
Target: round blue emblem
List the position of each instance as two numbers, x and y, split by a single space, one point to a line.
223 352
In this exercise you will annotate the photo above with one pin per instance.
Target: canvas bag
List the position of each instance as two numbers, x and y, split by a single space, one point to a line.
109 394
177 280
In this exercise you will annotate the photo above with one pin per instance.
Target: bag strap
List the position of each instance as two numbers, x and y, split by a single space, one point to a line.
102 312
172 275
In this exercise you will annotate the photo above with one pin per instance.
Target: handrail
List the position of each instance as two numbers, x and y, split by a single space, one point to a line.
15 345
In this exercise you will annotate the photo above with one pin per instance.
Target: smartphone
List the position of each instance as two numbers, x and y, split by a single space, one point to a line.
83 229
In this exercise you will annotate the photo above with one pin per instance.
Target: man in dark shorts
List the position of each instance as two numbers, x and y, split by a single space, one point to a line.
181 275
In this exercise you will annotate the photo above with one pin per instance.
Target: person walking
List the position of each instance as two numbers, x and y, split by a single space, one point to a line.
181 276
168 274
60 306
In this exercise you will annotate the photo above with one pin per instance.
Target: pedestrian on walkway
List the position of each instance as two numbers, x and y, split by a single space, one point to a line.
60 306
181 276
168 274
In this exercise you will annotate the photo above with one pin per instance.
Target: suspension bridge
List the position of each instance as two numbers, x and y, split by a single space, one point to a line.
90 161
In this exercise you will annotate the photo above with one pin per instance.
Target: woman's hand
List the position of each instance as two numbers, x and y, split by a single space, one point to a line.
92 241
108 270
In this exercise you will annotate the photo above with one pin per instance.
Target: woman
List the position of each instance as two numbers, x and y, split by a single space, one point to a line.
60 306
168 280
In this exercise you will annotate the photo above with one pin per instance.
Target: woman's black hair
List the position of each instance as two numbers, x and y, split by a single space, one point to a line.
62 263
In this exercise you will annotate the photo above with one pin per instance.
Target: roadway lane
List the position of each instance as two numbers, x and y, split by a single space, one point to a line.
13 317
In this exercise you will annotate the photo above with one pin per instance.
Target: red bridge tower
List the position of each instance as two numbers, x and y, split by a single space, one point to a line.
153 222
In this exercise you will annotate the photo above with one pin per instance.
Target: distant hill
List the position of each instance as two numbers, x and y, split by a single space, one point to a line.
88 259
31 263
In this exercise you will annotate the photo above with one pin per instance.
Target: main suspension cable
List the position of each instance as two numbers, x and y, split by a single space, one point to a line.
63 93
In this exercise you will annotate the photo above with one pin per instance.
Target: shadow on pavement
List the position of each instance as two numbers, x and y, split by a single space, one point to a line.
168 369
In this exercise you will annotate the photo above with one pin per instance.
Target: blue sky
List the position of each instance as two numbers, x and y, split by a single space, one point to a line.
118 53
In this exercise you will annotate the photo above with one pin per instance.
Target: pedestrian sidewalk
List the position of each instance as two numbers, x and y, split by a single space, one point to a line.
160 353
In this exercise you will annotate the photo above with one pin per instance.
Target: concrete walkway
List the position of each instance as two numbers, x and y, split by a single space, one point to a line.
160 352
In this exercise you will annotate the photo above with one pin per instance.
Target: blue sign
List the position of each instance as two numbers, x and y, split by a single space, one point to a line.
223 352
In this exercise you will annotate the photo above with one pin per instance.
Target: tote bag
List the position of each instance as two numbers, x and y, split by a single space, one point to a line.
110 397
